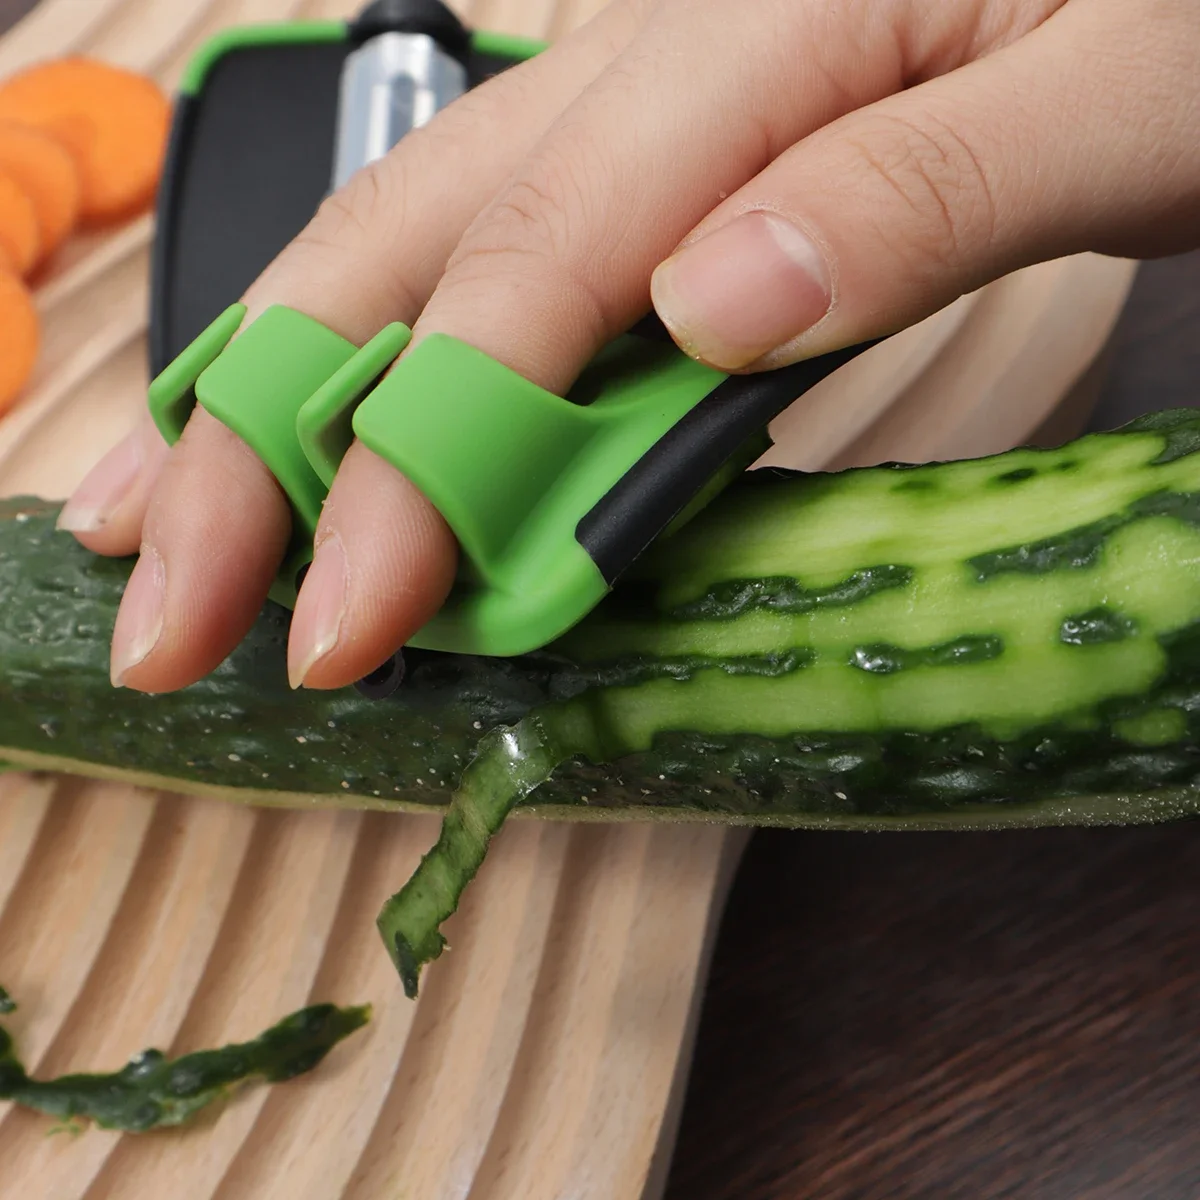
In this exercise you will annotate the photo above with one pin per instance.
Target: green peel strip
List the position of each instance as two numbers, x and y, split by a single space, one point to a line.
153 1092
510 763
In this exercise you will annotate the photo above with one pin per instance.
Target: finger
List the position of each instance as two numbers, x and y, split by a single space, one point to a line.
384 562
1078 137
560 262
106 510
211 542
371 255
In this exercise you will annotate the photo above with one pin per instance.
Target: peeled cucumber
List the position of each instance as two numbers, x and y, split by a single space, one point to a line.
1009 640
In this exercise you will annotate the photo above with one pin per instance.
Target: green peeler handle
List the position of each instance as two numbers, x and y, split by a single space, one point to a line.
510 466
550 497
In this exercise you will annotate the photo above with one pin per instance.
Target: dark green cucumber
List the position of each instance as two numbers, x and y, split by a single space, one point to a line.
1007 640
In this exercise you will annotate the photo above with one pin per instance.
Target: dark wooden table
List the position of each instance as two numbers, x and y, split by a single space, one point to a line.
951 1015
962 1015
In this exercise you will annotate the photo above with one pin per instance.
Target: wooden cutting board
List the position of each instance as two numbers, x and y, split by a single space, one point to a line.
548 1053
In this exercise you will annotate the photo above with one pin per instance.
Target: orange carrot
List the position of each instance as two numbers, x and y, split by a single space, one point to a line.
20 243
47 174
20 335
113 121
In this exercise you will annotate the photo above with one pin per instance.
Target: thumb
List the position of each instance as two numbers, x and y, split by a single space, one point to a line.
1080 136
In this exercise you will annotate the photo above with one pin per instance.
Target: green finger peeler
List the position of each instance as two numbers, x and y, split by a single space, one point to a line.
551 498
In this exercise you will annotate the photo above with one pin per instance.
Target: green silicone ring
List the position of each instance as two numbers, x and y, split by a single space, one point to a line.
513 468
256 384
324 423
256 387
173 393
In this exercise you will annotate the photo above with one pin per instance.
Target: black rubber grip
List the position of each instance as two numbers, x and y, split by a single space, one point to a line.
677 468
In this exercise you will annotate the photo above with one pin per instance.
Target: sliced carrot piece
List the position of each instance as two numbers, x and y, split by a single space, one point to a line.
47 174
20 242
20 335
114 122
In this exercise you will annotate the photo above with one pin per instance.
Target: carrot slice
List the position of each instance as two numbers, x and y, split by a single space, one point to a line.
47 174
113 121
20 243
20 335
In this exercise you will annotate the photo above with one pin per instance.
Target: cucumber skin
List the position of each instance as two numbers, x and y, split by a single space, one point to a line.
243 734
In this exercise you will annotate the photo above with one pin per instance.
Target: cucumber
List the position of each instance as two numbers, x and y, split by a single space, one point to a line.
1006 641
976 643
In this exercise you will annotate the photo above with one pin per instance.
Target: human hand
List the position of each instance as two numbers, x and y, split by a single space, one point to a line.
780 177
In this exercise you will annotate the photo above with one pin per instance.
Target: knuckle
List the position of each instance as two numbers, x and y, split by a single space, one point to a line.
533 214
940 179
354 214
559 194
537 232
355 233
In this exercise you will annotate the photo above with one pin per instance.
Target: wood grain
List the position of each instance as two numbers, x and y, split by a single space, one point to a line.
548 1053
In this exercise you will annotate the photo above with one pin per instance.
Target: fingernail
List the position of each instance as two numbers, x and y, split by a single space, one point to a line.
317 622
742 291
140 619
103 489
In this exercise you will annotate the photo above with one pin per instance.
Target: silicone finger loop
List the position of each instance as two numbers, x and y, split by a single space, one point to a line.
256 385
173 393
323 424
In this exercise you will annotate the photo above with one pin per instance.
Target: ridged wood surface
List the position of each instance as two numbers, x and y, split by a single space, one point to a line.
547 1055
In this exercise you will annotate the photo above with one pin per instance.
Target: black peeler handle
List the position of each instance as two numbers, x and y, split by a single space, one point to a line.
678 467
